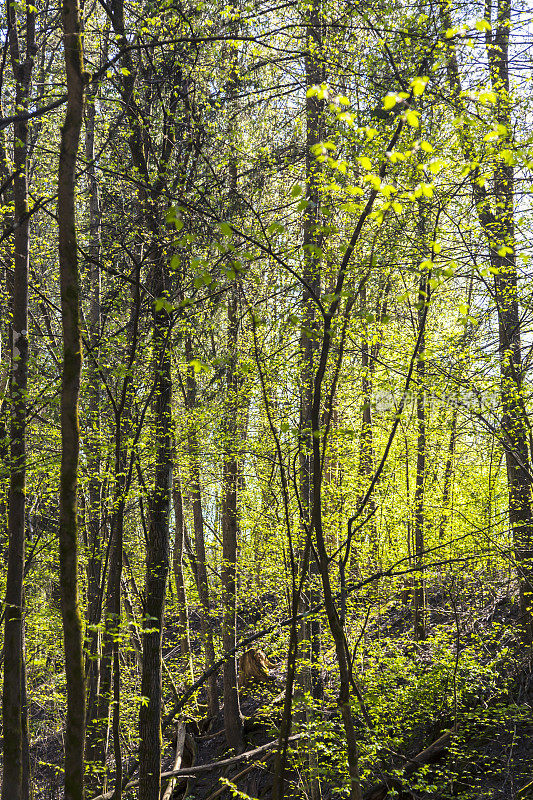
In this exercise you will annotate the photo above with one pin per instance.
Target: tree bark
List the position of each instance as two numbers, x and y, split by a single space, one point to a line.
230 480
15 785
312 242
92 444
157 550
70 434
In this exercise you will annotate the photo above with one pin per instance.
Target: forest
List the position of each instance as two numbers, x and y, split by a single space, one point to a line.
266 400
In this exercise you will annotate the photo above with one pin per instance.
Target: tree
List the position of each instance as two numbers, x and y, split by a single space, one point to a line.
16 779
70 384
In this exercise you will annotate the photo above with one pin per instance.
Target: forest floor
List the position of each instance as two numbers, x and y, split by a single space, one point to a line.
489 706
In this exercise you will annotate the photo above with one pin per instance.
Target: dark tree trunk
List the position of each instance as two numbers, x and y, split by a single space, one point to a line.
335 623
230 482
312 242
15 784
112 619
157 554
70 434
92 443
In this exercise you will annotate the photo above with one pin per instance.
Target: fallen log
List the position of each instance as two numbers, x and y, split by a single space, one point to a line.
191 772
180 744
428 756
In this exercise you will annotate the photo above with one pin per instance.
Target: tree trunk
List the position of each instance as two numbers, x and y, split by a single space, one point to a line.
369 354
230 480
419 516
157 551
14 787
312 241
70 435
199 538
177 564
335 626
448 477
92 444
112 620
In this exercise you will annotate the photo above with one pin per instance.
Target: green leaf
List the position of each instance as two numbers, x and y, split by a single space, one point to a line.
411 118
161 303
275 227
390 100
170 216
488 97
418 85
198 366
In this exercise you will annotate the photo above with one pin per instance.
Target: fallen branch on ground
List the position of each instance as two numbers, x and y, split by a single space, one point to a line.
180 746
191 772
427 756
238 776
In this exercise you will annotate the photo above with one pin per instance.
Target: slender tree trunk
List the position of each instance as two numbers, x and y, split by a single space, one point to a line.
366 447
109 675
312 241
157 551
27 792
420 483
230 480
335 624
15 785
70 434
112 618
179 580
448 477
108 678
92 443
199 538
132 623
